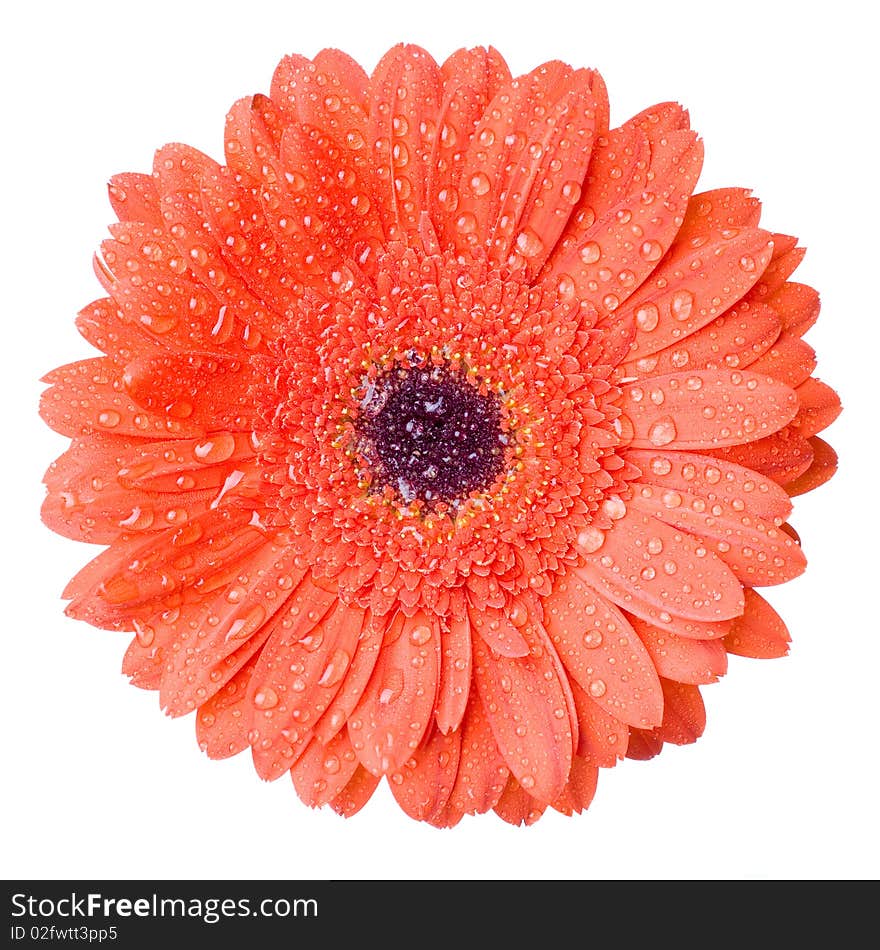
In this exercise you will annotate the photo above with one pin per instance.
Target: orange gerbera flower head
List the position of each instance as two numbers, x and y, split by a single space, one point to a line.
441 435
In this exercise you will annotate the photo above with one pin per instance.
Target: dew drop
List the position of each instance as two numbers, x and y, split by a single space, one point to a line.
682 304
480 184
265 698
663 431
109 418
218 448
420 635
593 639
590 539
647 317
590 252
597 688
651 251
528 243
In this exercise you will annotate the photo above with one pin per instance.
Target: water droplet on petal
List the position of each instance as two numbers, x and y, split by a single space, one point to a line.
590 539
265 698
590 252
663 431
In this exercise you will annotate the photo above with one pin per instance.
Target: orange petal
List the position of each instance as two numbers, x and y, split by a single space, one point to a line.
223 722
693 285
735 339
605 266
134 198
819 407
396 707
653 570
757 551
602 652
88 397
423 785
482 772
298 675
322 771
205 392
528 711
783 456
797 306
823 466
602 737
517 807
684 714
719 210
581 788
497 630
405 103
455 674
357 792
354 682
680 658
706 409
759 632
789 360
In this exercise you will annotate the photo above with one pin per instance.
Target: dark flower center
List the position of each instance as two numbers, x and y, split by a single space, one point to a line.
431 435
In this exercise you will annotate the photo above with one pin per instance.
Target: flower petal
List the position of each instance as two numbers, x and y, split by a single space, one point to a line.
706 409
734 340
517 807
482 772
529 713
823 466
356 794
609 263
759 632
322 771
455 674
497 630
683 659
88 397
396 707
602 737
423 785
223 722
682 578
401 129
580 789
602 652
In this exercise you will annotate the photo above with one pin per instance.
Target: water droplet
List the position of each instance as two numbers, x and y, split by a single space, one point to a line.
597 688
265 698
615 507
663 431
109 418
480 184
420 635
661 465
682 304
571 192
654 545
590 252
528 243
590 539
647 317
466 223
593 639
335 669
218 448
651 251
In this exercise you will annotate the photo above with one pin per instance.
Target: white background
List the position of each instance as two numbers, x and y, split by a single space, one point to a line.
97 783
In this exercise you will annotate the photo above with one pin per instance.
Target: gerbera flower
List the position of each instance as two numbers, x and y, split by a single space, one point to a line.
441 435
